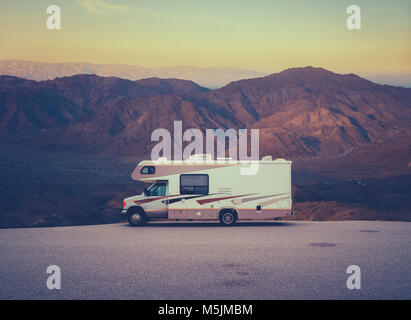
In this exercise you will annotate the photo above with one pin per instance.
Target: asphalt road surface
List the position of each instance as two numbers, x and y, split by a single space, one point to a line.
270 260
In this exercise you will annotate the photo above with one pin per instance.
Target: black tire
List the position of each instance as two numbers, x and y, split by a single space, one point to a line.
228 217
136 217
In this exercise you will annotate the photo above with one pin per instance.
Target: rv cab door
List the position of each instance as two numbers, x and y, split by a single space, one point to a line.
157 204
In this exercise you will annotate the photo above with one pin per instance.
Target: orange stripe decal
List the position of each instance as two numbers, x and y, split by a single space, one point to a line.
203 201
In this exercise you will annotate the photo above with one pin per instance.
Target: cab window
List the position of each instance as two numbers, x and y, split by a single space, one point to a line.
158 189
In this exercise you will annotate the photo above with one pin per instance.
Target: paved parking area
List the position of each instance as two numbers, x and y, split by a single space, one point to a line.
252 260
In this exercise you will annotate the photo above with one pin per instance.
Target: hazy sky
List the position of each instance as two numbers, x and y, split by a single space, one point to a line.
261 35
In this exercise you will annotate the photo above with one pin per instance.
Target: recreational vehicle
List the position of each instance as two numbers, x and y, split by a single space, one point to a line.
204 189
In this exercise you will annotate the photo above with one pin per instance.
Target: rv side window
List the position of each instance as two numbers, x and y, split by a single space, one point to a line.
194 184
148 170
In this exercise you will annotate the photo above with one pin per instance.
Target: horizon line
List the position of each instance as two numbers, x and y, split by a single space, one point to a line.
204 67
397 79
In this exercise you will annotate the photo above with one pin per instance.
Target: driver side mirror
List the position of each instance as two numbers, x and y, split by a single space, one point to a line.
145 191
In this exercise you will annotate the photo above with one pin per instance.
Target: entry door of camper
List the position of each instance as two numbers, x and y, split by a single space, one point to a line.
158 206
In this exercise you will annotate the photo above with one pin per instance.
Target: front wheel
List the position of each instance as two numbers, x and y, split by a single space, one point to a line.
228 217
137 218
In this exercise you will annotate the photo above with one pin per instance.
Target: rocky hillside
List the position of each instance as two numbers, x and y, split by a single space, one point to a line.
302 112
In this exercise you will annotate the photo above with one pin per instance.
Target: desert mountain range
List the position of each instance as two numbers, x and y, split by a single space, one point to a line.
301 112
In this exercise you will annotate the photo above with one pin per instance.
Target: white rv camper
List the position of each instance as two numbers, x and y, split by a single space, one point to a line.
205 189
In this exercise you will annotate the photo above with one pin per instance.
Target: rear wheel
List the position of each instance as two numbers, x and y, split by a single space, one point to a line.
137 217
228 217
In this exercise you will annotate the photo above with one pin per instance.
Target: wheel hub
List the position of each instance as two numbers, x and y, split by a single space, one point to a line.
136 218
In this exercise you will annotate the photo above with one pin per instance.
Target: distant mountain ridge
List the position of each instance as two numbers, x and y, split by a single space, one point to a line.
214 77
301 112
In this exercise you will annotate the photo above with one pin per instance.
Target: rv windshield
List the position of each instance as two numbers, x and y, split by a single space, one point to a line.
157 189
